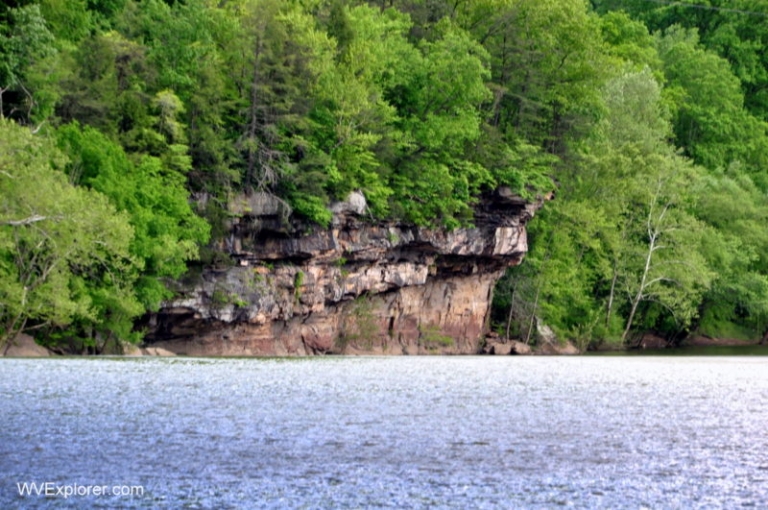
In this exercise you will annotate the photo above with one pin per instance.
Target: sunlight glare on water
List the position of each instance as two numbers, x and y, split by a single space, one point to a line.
405 432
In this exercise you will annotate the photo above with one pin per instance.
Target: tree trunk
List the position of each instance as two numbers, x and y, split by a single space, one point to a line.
511 308
609 305
641 288
533 312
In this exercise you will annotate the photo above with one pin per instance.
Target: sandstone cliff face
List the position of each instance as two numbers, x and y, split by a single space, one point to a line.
357 287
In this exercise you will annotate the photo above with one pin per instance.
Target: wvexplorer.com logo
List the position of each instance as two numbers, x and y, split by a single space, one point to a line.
57 490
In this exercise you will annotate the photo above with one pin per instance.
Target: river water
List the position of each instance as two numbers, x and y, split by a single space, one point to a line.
401 432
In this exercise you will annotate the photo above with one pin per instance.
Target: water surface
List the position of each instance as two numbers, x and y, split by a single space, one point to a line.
405 432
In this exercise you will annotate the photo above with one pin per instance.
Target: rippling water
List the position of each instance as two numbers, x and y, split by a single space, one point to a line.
406 432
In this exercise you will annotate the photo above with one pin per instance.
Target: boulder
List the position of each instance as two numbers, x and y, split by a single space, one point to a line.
157 351
131 350
502 349
24 346
355 203
257 203
520 348
651 341
557 349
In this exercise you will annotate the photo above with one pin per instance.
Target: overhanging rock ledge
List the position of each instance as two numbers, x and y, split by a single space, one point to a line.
356 287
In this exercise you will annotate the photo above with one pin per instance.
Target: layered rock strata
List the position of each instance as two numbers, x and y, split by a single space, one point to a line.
360 286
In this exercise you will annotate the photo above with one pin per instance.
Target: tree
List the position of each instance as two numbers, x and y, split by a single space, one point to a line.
59 245
734 30
439 111
547 66
355 122
658 256
736 306
68 20
186 48
167 231
622 245
24 43
662 263
710 122
629 40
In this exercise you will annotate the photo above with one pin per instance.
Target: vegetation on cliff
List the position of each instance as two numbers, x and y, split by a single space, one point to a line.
648 118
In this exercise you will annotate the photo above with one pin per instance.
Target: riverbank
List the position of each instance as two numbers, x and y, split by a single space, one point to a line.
705 341
25 347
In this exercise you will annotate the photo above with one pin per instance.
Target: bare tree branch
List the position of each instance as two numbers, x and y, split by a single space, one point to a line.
26 221
34 131
35 218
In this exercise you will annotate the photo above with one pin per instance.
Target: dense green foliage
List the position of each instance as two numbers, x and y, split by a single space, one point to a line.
650 119
658 223
65 257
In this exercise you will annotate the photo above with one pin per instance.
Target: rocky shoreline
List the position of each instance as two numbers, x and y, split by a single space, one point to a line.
25 347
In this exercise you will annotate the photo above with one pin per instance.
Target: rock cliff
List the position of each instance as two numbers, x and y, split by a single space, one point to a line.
360 286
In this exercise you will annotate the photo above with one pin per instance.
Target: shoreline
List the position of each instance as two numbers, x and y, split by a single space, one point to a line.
26 347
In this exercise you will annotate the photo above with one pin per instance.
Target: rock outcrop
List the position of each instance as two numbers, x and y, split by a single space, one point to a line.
360 286
24 346
504 346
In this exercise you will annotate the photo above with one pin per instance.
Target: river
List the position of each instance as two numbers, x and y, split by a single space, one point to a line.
398 432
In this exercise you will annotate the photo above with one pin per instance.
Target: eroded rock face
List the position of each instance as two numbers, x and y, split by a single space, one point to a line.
356 287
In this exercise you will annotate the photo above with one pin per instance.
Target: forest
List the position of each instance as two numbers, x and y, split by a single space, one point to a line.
126 126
